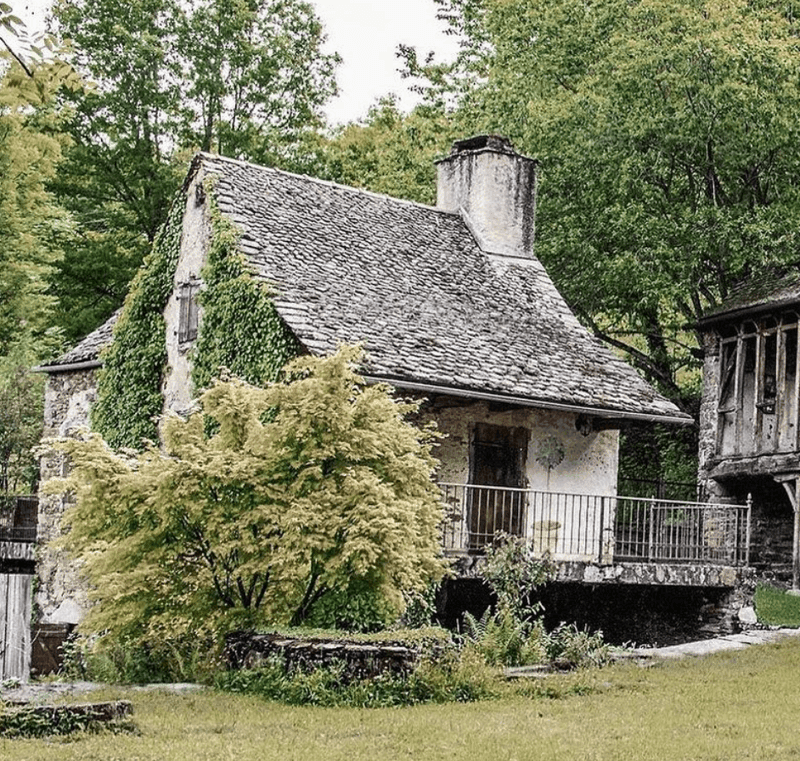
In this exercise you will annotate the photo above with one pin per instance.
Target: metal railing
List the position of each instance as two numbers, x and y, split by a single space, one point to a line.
597 528
18 518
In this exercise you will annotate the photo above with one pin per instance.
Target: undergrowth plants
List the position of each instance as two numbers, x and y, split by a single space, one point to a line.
513 633
448 668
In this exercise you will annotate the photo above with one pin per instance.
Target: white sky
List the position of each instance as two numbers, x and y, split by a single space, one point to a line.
365 33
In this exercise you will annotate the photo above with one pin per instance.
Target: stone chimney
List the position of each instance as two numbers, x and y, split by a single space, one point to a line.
494 189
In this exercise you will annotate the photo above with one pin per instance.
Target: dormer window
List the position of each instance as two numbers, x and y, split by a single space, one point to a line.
187 311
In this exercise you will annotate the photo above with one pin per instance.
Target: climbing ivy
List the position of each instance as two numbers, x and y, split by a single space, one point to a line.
240 329
129 398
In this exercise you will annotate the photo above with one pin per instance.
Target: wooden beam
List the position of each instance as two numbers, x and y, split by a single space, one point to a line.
791 484
758 392
738 396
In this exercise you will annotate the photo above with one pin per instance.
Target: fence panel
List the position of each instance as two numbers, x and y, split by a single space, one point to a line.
15 626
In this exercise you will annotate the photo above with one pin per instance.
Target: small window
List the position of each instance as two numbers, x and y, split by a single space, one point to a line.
187 314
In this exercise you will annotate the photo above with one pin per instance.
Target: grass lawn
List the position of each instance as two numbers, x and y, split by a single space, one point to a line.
742 705
777 608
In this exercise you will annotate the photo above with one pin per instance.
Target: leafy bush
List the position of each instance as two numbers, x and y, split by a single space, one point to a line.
504 639
316 487
570 647
513 634
355 608
513 573
34 722
454 677
129 661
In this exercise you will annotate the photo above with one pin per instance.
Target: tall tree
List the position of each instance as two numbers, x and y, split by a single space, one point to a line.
667 133
32 232
247 78
391 152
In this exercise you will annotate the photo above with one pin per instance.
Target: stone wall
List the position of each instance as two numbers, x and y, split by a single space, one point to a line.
644 614
61 596
707 448
246 650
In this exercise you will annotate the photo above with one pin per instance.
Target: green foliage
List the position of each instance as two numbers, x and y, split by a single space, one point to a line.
32 232
513 633
569 647
36 73
421 608
241 329
245 79
110 660
776 608
513 573
355 608
21 422
452 678
129 397
391 152
34 722
307 488
502 638
656 453
31 223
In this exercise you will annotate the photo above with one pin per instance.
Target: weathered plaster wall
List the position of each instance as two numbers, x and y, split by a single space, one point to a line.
61 596
566 526
589 464
178 389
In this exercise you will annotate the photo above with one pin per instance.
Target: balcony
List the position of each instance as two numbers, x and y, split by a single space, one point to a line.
597 529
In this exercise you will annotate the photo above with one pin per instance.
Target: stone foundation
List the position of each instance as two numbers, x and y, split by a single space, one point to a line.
643 613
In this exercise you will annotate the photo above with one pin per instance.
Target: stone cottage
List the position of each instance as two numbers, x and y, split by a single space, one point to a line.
452 307
749 428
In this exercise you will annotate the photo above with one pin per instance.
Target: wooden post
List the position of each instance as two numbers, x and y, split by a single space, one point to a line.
793 492
796 542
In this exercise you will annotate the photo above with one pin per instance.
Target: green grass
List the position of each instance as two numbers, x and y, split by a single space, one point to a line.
739 705
776 608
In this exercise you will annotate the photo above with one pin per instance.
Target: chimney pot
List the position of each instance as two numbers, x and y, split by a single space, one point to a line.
494 188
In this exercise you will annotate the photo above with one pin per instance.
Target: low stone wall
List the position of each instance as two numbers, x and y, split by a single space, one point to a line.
246 650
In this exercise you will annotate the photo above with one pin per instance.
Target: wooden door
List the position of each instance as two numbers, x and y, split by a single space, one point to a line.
497 466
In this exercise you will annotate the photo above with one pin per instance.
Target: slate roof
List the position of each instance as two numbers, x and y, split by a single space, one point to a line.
410 282
768 290
88 350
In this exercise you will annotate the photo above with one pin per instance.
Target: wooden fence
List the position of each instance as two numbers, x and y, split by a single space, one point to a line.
15 625
18 517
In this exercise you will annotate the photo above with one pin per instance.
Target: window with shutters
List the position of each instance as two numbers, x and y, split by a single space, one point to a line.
188 313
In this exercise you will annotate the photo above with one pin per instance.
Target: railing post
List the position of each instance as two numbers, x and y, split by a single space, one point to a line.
602 532
650 531
747 540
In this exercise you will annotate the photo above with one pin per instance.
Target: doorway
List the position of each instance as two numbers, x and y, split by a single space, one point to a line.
497 477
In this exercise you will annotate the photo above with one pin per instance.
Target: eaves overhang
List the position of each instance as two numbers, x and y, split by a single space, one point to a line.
750 310
680 418
89 364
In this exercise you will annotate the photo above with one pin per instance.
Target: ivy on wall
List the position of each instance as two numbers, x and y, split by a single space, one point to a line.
240 329
129 384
